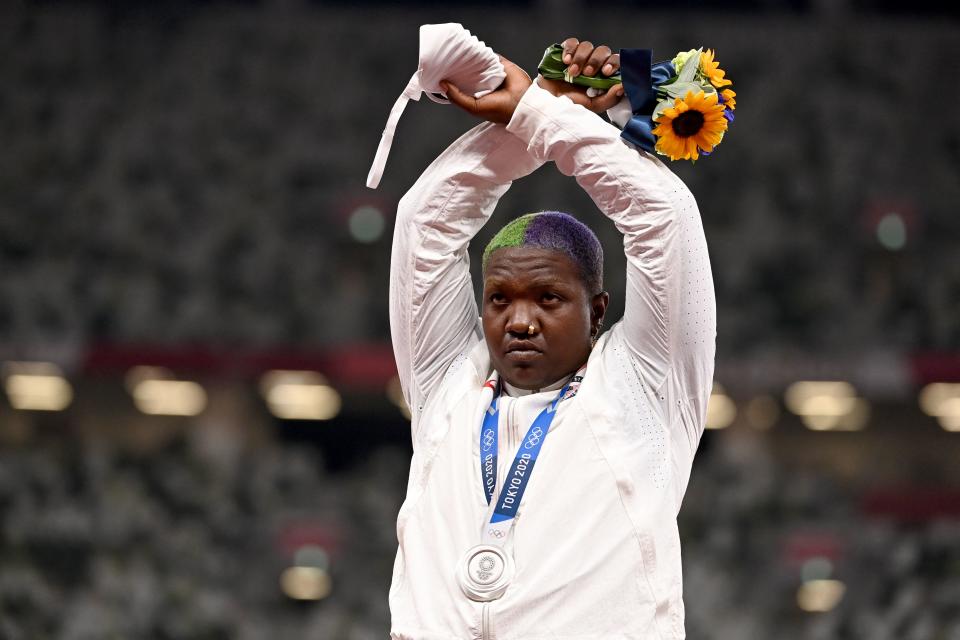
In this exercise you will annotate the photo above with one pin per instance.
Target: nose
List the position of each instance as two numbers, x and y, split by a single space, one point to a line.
520 318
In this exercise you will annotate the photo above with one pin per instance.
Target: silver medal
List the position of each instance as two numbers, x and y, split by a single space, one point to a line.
485 572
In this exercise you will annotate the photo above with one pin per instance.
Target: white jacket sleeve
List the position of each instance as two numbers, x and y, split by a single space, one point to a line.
433 312
669 322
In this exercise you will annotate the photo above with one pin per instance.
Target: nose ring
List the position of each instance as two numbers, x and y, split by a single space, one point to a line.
532 330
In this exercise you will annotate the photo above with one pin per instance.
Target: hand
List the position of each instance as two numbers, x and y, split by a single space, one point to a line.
584 58
499 105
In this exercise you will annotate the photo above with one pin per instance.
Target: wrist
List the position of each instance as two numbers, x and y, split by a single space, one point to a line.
529 111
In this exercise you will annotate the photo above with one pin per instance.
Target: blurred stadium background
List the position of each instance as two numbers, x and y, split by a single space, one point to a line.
199 429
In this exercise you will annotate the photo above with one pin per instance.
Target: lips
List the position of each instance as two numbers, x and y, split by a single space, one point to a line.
522 351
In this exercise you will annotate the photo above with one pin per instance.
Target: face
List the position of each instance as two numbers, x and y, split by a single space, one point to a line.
540 287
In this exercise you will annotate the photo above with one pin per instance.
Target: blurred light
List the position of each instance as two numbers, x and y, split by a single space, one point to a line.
38 393
828 405
299 395
817 596
820 423
942 401
816 568
395 393
854 419
820 398
721 409
892 232
169 397
36 386
306 583
762 412
366 224
141 373
935 396
950 423
311 555
950 418
815 398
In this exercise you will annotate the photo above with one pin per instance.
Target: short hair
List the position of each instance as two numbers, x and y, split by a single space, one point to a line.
557 231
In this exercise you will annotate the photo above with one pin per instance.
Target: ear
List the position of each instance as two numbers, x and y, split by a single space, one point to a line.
598 308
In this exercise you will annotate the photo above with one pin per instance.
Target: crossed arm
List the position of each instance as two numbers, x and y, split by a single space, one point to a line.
669 321
433 313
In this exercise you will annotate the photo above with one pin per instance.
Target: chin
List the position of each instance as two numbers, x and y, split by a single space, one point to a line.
527 378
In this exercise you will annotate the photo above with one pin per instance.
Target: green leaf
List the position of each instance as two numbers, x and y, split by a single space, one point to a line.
662 106
690 67
679 89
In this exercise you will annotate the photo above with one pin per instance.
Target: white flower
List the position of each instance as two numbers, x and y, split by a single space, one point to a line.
681 58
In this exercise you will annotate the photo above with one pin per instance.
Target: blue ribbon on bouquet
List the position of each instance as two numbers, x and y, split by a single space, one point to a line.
641 79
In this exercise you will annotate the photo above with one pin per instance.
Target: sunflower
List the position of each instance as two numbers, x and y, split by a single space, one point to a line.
711 69
729 99
691 125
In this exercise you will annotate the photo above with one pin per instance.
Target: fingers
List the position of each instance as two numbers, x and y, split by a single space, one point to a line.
569 47
578 95
611 65
584 58
497 106
580 57
607 100
459 98
596 60
560 88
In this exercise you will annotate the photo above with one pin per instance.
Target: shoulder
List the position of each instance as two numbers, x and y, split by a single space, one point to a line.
464 376
618 386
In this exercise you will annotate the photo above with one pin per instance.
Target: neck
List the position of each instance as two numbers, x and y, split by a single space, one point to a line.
516 392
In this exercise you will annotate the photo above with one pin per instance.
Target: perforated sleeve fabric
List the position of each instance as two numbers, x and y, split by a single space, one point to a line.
433 313
670 310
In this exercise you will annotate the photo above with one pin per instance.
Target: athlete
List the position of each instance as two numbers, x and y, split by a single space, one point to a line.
550 459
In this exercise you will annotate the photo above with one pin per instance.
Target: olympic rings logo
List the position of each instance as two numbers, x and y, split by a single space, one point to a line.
496 533
534 438
488 438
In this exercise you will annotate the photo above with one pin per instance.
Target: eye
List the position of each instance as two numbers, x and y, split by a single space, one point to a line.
549 296
497 298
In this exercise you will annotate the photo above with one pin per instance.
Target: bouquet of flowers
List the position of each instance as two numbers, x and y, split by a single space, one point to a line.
681 108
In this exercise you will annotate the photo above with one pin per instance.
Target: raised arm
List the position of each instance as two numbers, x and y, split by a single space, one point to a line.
669 322
433 313
670 312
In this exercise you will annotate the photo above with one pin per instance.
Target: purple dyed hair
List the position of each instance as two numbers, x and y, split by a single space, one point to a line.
557 231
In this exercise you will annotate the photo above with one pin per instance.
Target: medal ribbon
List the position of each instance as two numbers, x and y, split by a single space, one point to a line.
641 80
522 468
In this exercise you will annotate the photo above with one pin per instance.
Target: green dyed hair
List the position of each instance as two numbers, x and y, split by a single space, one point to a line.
559 232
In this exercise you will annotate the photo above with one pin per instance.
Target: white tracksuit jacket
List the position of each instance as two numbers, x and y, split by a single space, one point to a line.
595 542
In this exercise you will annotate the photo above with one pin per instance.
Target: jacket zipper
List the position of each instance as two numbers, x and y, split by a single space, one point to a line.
486 622
510 420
